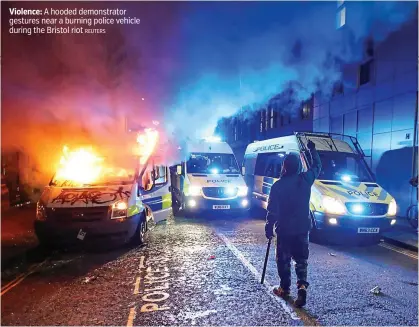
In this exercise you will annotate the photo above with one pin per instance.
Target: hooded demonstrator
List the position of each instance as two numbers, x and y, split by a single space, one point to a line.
288 211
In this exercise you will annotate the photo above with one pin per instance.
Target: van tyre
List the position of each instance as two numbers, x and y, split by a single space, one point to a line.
141 232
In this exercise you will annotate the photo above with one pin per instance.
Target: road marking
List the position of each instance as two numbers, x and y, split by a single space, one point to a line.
131 317
141 266
20 278
295 314
137 286
257 275
399 250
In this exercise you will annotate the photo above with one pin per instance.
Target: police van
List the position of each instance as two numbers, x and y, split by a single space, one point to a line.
118 206
344 196
208 178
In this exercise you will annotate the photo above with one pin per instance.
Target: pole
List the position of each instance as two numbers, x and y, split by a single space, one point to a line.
266 261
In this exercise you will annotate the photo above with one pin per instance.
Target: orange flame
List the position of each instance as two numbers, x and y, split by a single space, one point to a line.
81 166
147 143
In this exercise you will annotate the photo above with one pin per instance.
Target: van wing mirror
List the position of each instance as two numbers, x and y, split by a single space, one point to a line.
243 170
179 170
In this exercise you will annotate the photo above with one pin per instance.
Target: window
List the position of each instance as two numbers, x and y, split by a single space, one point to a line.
160 172
272 118
269 164
266 119
340 2
365 73
212 163
262 120
337 88
342 165
341 17
305 111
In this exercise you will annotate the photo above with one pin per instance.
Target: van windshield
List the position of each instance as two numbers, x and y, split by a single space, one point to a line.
212 163
343 166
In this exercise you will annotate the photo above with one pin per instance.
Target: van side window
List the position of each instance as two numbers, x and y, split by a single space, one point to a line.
249 164
269 164
160 173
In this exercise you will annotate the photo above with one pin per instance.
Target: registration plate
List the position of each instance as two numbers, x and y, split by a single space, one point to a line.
220 207
81 235
369 230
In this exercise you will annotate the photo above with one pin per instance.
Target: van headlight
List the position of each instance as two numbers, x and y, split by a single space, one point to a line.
331 205
392 208
194 190
41 214
242 191
119 210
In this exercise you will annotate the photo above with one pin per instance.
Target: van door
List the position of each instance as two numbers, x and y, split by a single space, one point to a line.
267 171
155 191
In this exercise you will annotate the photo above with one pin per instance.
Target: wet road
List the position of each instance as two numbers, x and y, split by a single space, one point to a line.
207 272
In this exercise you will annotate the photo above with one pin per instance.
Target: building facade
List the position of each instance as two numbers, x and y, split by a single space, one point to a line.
377 102
282 116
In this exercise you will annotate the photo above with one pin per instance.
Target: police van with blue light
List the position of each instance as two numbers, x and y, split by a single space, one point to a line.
345 196
208 178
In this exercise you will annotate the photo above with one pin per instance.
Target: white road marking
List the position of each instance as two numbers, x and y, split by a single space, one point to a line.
257 275
131 317
20 278
137 286
398 250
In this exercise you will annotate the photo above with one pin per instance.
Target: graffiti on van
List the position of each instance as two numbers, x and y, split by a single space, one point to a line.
91 196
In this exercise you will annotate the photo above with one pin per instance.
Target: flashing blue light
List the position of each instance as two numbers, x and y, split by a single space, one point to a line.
214 171
346 178
358 208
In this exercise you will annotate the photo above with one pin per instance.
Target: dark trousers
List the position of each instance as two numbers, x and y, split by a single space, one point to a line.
295 247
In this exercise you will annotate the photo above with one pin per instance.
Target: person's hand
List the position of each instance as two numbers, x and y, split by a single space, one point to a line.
269 230
311 145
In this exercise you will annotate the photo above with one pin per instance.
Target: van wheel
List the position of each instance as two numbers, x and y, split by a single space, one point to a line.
141 232
176 208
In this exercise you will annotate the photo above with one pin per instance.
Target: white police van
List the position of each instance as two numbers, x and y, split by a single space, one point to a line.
208 178
344 196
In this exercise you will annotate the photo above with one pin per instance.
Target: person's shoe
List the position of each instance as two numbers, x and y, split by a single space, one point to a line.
302 297
284 293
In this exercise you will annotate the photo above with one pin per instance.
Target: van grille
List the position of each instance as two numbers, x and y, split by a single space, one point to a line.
369 209
78 214
218 192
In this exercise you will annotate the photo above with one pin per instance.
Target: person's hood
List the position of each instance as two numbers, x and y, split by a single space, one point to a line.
292 165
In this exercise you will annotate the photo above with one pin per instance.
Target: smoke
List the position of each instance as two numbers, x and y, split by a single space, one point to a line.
77 89
187 65
305 52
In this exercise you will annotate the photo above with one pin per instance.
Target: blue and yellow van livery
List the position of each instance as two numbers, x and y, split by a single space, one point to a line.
345 195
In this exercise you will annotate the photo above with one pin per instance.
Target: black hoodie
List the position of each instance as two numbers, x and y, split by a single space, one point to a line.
289 199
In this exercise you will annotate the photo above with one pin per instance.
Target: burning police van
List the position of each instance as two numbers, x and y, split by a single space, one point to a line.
208 178
345 196
89 199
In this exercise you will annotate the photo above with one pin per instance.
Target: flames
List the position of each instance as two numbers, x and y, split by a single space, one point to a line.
81 166
84 165
147 142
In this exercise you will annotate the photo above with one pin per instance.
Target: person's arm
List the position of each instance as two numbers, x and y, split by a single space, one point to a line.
314 171
272 211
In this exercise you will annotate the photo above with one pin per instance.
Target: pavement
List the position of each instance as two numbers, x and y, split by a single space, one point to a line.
206 271
403 234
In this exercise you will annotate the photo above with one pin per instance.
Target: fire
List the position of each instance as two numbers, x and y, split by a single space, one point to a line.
147 143
81 166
